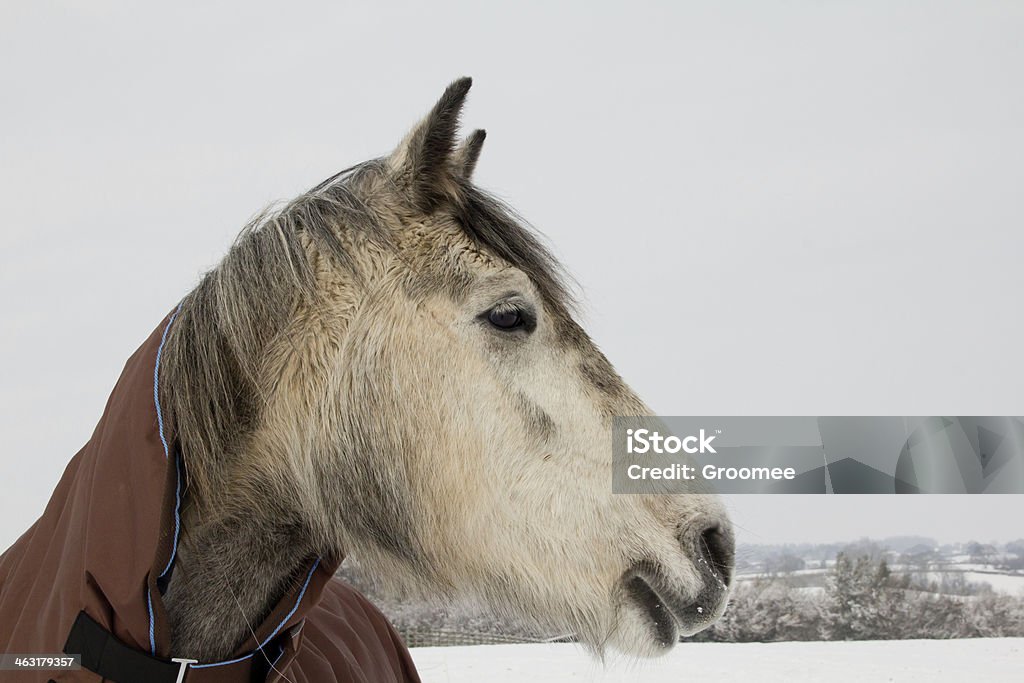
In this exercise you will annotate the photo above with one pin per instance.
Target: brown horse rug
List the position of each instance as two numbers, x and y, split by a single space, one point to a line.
88 576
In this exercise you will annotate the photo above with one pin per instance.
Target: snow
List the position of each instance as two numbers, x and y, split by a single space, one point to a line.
1002 583
971 566
1011 584
987 659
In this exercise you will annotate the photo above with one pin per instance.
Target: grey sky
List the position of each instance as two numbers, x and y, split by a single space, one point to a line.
772 208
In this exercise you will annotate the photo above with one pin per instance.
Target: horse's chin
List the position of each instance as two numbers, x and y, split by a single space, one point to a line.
643 630
653 616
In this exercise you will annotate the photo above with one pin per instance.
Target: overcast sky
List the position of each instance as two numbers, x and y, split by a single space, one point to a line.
771 207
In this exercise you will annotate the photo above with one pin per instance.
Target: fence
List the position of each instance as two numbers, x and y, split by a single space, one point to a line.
435 637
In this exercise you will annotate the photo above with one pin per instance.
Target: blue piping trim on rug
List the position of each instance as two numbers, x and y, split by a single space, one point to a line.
152 639
177 493
177 516
156 379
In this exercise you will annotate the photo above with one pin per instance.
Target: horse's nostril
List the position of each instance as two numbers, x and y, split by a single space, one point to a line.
717 548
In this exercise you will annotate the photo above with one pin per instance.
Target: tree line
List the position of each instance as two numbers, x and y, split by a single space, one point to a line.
862 600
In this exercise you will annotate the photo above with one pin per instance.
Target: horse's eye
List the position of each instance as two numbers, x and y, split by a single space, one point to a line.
505 319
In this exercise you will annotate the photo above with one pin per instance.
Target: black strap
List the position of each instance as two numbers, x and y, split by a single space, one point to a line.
103 654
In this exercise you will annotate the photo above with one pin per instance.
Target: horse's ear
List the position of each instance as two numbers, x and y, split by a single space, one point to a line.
468 152
423 162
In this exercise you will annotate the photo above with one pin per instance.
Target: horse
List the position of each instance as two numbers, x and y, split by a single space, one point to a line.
388 367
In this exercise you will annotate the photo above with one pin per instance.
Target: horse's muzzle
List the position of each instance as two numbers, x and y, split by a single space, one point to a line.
712 550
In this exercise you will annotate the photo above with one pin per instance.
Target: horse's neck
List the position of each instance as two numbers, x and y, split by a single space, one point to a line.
228 577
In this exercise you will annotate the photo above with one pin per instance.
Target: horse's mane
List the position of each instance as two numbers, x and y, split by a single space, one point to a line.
209 386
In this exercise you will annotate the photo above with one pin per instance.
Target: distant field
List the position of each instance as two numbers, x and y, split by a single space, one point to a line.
907 661
1011 584
1001 583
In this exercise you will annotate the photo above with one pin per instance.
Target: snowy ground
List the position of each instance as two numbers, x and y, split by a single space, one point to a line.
979 659
1001 583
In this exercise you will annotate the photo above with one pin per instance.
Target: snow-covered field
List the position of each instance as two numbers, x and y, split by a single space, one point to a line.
1001 583
979 659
